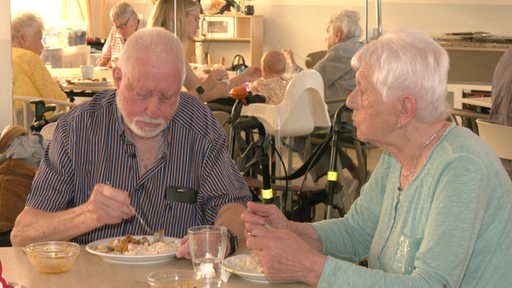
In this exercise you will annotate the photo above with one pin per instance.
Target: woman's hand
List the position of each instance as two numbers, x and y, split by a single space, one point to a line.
263 215
278 252
216 77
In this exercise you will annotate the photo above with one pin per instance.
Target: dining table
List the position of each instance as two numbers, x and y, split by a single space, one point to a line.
74 86
91 270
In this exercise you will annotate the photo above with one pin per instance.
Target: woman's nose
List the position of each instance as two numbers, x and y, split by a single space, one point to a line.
351 101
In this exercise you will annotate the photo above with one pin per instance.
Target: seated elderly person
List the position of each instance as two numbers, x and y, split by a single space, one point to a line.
342 39
145 147
436 212
29 74
124 23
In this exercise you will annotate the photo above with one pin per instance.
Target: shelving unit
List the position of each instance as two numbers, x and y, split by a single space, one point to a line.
247 41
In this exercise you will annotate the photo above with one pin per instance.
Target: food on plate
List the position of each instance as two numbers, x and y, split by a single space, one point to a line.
73 82
252 263
130 245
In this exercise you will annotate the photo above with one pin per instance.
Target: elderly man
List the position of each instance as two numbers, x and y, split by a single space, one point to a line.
124 23
146 147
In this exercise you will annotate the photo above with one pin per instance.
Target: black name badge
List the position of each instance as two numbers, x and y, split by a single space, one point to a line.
181 194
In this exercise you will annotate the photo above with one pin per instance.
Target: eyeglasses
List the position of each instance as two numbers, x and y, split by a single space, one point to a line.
122 26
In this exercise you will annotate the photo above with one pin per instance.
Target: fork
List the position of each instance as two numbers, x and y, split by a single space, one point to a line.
141 221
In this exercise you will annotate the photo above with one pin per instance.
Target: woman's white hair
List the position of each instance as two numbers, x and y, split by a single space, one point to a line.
149 44
26 25
407 61
347 21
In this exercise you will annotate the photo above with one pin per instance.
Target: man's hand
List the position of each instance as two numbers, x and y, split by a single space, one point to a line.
108 205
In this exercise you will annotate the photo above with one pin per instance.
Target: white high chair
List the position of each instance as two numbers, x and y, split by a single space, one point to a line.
303 108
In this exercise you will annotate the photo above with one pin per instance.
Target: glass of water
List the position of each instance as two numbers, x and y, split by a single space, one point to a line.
207 246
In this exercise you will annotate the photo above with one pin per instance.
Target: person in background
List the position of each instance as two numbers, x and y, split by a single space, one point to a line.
30 77
501 108
273 81
20 154
436 212
343 41
165 158
217 84
343 33
124 23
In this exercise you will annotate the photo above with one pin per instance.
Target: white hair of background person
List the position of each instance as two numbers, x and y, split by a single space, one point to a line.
409 52
348 21
26 25
120 12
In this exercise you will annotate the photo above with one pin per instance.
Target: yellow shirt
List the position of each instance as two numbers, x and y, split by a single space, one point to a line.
31 78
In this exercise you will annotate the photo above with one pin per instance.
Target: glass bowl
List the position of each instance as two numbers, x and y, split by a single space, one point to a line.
173 278
52 256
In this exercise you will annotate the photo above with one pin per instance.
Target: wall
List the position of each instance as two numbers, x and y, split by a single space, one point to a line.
300 24
5 65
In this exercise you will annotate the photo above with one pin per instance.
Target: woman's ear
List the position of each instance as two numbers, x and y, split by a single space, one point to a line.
406 108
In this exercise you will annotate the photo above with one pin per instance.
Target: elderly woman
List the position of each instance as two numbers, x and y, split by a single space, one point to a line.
187 23
343 33
436 212
29 74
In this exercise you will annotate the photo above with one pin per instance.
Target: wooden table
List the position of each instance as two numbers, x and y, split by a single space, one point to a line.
92 271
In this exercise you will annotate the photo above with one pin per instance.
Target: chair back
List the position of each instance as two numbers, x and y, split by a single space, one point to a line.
25 115
499 137
313 58
303 107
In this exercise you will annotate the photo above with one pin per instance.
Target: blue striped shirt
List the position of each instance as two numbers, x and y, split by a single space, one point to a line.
90 147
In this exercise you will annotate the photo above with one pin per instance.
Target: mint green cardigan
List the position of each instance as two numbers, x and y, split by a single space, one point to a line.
451 227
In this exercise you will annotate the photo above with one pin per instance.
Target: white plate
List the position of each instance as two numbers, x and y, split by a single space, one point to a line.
233 264
131 259
90 83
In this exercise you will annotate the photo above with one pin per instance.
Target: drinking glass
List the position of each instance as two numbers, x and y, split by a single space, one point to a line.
207 246
87 71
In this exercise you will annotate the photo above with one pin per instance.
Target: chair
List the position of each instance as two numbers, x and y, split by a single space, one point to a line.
313 57
25 116
303 108
497 136
466 118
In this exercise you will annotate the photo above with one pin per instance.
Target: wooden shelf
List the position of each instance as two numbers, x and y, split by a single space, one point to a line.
248 32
